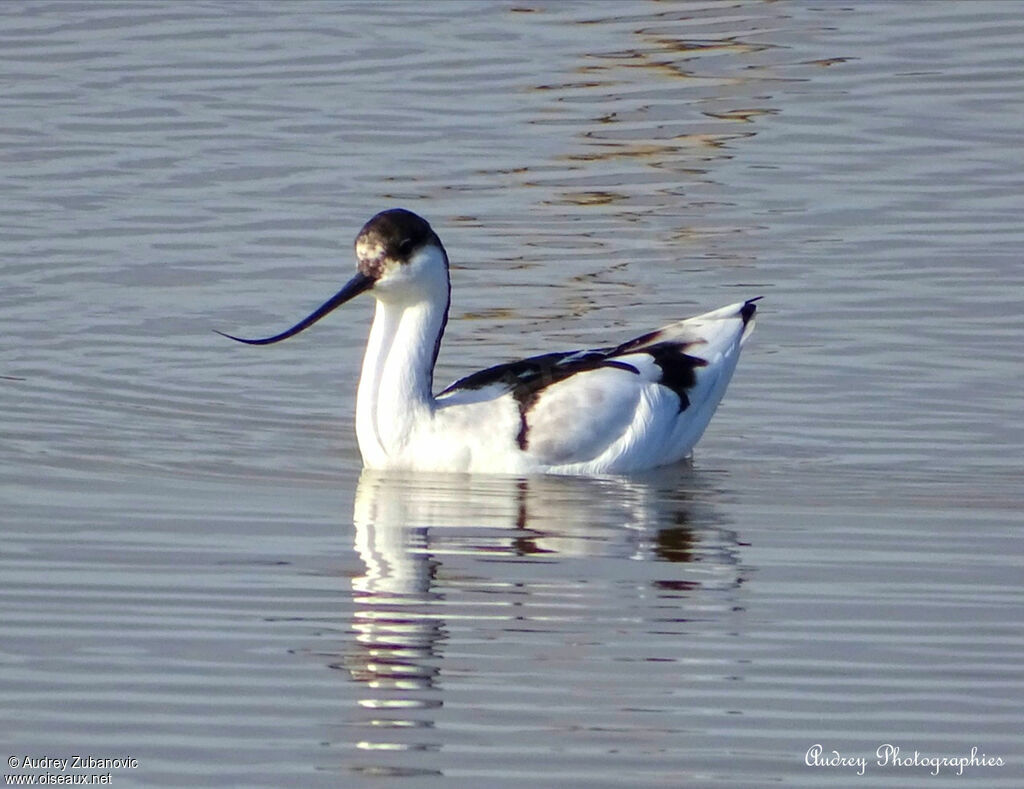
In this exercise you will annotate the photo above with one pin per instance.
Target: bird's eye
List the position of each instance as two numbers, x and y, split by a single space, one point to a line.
405 246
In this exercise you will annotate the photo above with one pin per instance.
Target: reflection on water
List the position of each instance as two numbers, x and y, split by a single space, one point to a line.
641 516
414 534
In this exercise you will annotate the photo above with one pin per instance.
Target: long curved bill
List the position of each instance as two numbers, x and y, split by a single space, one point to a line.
359 283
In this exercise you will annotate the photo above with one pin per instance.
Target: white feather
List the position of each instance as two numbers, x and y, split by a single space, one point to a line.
625 408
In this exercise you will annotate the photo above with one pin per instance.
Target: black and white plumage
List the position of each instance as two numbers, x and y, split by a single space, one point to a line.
624 408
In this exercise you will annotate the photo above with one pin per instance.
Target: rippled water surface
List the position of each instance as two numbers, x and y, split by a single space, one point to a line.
197 575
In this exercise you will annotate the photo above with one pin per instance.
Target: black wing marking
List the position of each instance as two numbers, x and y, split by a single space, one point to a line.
527 378
678 368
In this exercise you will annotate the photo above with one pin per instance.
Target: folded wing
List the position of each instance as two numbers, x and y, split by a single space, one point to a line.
645 401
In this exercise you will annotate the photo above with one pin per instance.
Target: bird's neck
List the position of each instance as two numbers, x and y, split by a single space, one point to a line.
396 385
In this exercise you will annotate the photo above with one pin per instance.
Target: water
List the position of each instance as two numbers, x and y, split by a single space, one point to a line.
197 575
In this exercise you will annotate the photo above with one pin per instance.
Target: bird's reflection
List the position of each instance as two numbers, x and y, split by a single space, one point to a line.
424 541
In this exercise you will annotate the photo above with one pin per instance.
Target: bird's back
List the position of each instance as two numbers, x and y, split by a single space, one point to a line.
626 408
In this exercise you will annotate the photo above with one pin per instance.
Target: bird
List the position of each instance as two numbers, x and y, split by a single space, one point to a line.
613 410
